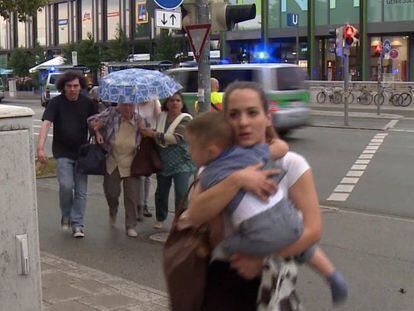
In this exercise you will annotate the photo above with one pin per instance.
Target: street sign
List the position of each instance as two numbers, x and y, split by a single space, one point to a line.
386 46
169 4
197 34
292 19
394 54
74 58
168 19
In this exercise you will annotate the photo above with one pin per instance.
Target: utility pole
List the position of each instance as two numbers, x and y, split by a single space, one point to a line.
204 88
379 79
346 80
265 23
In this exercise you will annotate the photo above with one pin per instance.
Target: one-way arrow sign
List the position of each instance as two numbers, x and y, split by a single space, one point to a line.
168 19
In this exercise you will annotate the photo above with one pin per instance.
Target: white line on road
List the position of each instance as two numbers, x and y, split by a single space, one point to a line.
348 183
390 125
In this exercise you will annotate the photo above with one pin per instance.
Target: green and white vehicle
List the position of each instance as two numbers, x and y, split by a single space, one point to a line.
284 85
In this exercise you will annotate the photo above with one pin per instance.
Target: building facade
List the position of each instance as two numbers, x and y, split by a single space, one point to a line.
62 22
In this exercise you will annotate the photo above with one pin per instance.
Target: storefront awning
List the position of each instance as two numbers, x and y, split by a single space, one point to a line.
58 60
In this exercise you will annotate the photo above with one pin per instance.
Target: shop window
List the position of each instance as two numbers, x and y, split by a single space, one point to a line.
395 63
298 7
321 12
398 10
344 11
112 18
63 23
21 34
3 33
87 18
374 10
41 26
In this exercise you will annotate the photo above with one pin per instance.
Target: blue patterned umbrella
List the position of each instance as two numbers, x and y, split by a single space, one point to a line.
136 86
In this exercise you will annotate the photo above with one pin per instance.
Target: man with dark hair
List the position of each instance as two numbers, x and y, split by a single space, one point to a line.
68 113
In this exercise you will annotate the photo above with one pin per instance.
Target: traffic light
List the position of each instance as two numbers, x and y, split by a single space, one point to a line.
351 35
337 40
224 16
378 50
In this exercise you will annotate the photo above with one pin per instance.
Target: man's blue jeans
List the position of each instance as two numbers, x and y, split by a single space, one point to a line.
72 191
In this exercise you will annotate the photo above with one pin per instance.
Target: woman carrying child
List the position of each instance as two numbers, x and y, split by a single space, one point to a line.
245 109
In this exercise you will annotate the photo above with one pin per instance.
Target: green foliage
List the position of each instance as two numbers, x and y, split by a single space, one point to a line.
21 60
39 54
89 54
167 47
118 49
23 8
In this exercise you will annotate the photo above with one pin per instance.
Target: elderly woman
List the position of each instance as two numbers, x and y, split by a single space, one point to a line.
177 164
234 284
118 130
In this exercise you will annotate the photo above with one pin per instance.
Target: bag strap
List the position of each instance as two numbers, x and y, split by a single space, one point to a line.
181 208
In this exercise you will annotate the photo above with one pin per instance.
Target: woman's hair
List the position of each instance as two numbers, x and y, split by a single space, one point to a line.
164 104
212 128
240 85
68 76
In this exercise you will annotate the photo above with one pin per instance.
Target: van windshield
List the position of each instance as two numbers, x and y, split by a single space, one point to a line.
288 78
53 79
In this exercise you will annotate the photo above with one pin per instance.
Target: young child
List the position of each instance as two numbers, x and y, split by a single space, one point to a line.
262 229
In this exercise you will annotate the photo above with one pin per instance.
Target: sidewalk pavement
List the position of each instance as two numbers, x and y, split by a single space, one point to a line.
69 286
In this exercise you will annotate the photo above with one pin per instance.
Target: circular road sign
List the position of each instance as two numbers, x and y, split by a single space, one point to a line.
394 54
169 4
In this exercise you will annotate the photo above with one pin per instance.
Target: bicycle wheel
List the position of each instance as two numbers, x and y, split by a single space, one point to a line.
365 99
349 98
337 98
379 99
395 100
321 98
404 99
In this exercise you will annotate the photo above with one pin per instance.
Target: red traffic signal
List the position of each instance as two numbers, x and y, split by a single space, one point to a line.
378 49
349 33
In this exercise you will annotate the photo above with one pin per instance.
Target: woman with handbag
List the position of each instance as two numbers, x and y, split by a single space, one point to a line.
234 284
118 130
173 149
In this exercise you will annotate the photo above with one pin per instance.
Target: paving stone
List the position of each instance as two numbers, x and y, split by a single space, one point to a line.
109 301
45 267
61 292
69 306
51 279
92 287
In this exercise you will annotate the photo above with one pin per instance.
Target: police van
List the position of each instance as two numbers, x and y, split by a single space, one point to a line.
284 85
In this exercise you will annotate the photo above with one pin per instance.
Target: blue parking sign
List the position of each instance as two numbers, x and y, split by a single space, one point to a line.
169 4
293 19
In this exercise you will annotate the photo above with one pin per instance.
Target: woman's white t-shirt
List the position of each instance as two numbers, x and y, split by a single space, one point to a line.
147 111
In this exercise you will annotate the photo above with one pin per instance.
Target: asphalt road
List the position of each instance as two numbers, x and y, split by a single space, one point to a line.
367 235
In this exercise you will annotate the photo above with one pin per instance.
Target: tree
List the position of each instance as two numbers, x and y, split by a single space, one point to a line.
118 49
168 46
89 54
23 8
39 54
21 61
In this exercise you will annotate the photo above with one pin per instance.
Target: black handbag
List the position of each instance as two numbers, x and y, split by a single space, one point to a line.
91 159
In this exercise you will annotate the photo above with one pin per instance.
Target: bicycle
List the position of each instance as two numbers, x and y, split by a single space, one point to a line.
407 97
348 95
334 95
365 98
393 98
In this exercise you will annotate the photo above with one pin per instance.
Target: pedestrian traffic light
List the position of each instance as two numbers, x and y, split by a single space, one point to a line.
223 16
337 40
351 35
378 50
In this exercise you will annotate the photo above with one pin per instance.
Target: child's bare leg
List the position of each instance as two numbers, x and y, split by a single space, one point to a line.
321 263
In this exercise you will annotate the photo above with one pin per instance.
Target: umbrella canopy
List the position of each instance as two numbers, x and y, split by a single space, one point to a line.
136 86
4 71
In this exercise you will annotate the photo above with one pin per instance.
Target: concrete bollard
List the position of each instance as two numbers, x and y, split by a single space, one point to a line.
20 278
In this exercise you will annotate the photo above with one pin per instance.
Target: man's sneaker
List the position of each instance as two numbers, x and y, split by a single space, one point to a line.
147 213
65 223
132 233
157 225
78 233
